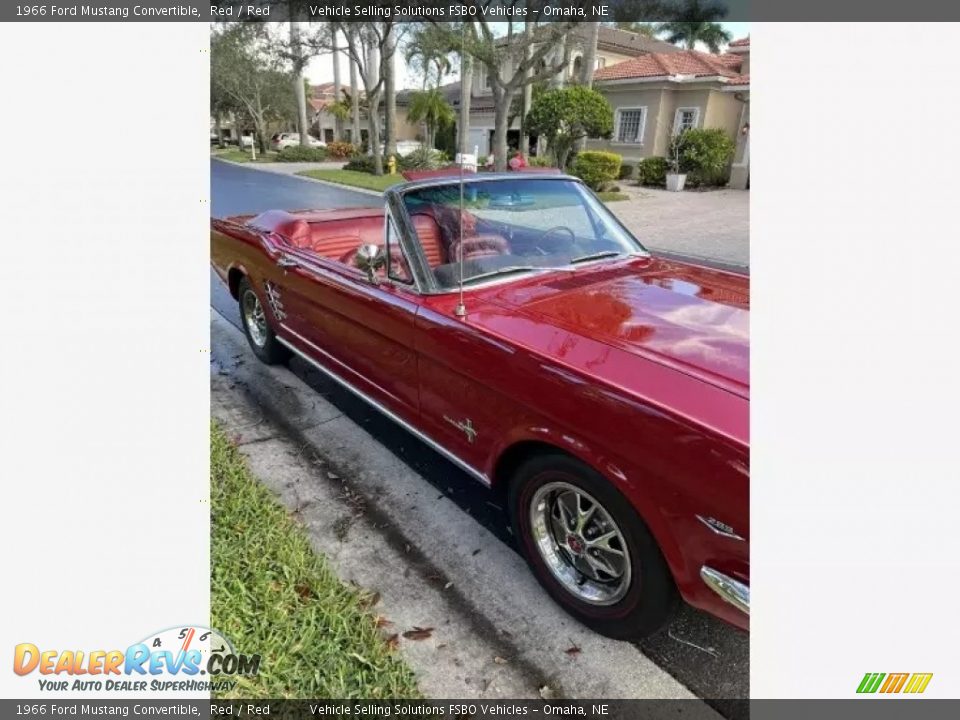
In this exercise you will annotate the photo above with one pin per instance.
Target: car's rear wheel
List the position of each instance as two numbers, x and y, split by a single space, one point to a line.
588 547
263 341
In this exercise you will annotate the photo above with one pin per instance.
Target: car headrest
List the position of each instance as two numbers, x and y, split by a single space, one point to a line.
479 246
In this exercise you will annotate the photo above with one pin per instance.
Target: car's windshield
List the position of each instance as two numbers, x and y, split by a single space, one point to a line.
512 227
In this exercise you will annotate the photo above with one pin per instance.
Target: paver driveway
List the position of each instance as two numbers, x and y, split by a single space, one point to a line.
713 224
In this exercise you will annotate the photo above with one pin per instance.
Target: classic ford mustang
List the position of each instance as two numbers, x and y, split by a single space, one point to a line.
517 328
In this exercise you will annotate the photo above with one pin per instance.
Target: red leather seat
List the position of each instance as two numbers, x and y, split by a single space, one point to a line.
333 238
428 232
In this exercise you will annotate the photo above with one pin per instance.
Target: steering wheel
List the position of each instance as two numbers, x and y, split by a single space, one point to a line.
551 231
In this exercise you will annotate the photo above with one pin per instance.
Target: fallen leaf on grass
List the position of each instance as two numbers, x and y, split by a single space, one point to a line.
393 641
418 633
304 591
380 621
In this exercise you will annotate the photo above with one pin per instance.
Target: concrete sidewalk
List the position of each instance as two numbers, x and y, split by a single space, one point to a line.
496 634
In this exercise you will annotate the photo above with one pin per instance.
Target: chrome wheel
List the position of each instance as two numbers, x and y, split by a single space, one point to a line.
580 543
254 319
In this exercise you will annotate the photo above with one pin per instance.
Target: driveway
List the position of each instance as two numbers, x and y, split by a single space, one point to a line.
712 225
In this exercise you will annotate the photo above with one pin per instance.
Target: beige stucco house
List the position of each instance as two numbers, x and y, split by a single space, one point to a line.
614 46
655 96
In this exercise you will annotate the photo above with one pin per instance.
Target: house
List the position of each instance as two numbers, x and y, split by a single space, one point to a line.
656 95
614 46
323 121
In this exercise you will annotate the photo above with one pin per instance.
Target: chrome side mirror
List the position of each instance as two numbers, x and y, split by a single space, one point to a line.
369 259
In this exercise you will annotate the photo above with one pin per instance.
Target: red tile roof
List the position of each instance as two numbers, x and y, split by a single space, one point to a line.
740 80
688 62
742 42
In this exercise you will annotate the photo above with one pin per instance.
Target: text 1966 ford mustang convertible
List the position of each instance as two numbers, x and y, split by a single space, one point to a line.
602 391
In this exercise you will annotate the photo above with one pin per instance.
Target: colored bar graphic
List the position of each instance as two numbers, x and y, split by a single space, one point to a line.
918 682
870 682
895 682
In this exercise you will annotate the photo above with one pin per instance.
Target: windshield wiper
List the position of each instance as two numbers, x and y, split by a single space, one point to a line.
510 269
595 256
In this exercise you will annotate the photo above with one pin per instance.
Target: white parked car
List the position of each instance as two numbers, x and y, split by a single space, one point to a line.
289 139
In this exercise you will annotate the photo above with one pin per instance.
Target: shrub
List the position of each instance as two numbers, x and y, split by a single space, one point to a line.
541 161
597 168
704 154
296 153
653 171
422 159
566 115
340 150
626 172
360 163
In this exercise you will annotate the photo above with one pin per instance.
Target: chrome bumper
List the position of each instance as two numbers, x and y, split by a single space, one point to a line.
733 591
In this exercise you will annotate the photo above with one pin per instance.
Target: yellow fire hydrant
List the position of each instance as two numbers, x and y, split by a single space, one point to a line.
391 165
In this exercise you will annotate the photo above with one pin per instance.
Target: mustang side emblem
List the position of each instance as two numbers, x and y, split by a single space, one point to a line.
464 426
720 528
273 297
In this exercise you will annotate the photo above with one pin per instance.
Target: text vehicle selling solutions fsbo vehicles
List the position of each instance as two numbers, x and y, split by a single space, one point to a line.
514 325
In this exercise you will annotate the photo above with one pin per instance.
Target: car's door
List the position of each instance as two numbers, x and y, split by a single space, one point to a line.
361 332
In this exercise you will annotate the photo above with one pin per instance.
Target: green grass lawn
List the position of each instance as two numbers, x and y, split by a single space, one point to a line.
354 178
612 196
272 594
242 156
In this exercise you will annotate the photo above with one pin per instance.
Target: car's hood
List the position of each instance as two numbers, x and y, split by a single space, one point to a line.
688 316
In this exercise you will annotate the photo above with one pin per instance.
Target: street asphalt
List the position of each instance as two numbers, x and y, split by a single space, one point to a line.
707 656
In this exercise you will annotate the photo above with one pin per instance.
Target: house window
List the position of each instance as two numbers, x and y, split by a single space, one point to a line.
601 62
630 122
685 119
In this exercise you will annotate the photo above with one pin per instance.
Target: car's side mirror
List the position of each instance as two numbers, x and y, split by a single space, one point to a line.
370 258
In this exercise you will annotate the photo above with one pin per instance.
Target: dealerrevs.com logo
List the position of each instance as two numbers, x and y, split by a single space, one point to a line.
890 683
180 659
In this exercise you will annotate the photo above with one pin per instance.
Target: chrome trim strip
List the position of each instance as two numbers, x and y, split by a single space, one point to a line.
733 591
706 521
466 467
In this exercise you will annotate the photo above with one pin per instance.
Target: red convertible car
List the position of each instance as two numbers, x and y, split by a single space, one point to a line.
517 328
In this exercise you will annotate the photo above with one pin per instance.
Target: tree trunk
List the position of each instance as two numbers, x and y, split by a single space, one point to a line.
527 97
589 58
298 87
466 82
337 122
355 136
219 126
501 118
389 77
374 130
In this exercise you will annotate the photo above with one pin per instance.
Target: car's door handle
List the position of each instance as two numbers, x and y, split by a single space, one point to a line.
286 261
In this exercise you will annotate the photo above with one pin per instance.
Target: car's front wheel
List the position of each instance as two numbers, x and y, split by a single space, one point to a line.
263 341
589 548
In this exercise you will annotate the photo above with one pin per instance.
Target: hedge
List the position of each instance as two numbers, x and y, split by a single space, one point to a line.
653 171
597 168
296 153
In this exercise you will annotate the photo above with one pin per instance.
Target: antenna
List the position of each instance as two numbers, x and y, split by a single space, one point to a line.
461 309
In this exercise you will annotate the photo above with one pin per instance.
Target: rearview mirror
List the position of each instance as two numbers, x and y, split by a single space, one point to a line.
369 259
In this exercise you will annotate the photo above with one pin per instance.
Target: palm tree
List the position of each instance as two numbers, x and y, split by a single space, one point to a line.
432 109
696 21
640 28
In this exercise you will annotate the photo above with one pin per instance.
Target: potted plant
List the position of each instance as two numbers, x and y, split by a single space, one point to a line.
675 178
